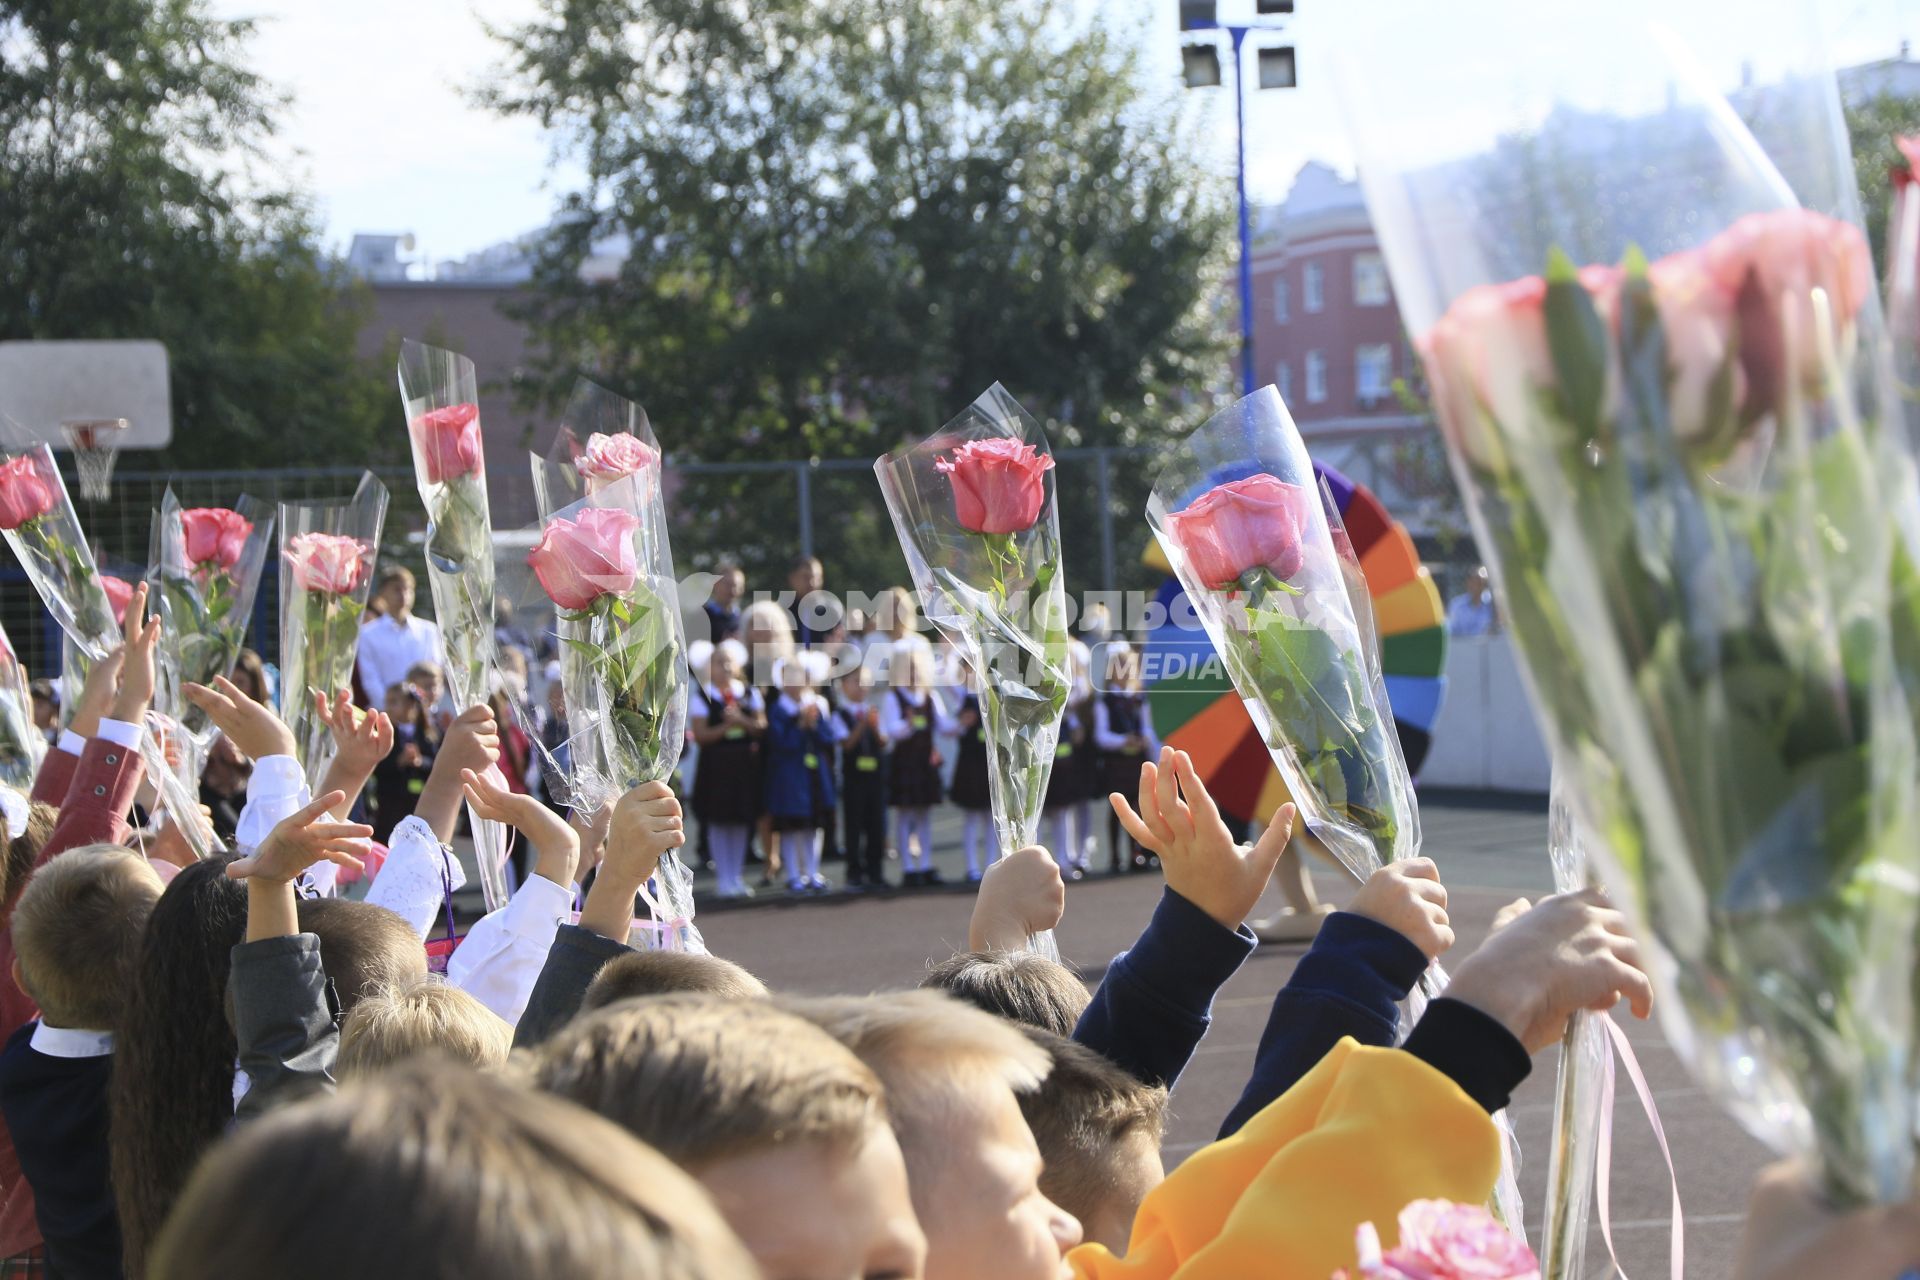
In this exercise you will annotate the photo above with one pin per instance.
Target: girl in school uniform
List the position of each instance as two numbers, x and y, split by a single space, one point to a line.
863 783
1124 738
971 790
910 716
801 735
767 629
729 719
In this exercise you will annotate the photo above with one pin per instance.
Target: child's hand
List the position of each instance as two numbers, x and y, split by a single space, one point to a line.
553 840
301 840
255 730
135 694
1202 862
96 695
1571 952
1407 897
646 824
361 739
1020 895
170 841
472 743
1792 1233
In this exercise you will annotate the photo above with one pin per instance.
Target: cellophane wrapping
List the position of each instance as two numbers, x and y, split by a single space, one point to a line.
975 511
1658 367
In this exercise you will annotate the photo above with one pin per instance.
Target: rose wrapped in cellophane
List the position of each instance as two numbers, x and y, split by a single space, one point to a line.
74 662
974 509
327 554
1576 1099
606 566
442 398
38 519
22 745
1697 512
208 562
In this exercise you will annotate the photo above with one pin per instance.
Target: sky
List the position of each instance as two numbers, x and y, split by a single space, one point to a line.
382 131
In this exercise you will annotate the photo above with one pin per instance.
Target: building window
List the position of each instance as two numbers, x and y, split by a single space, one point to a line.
1369 280
1280 299
1313 287
1316 377
1373 373
1283 379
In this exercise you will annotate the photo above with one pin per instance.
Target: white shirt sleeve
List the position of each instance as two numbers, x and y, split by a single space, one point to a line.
943 723
72 743
894 727
373 670
501 957
127 735
1103 735
277 790
413 882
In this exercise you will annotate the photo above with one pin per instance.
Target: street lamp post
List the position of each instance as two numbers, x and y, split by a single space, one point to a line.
1203 17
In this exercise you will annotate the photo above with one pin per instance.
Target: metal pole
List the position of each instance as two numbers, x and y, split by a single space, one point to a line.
1247 382
1104 479
803 478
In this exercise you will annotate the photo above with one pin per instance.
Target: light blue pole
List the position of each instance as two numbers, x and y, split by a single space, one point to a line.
1247 379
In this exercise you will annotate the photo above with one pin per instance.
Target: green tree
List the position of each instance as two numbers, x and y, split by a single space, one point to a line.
848 220
1872 126
137 201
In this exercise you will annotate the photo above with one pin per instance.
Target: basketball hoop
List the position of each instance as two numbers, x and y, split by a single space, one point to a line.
95 443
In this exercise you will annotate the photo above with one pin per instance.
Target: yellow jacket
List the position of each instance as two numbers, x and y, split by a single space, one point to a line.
1363 1134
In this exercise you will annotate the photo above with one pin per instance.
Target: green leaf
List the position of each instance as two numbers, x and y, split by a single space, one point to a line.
1577 340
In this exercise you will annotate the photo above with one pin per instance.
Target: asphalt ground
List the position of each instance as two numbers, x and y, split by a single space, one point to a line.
1490 850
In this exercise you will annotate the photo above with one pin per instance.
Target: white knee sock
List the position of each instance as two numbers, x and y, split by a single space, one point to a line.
815 842
1063 851
973 826
728 845
1083 826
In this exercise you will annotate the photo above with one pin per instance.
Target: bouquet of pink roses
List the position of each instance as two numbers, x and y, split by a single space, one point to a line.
327 553
442 395
605 564
974 509
38 519
1701 524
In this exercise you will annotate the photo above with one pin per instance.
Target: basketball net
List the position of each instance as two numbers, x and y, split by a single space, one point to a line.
95 445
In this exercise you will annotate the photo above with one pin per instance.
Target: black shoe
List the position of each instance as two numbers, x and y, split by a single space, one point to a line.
932 876
912 879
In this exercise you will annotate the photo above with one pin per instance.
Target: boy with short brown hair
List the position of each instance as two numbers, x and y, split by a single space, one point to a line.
657 973
428 1015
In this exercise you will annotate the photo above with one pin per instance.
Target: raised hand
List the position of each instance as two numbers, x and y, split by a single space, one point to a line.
1198 853
472 742
252 726
1570 952
646 824
1020 895
556 844
302 839
1407 897
96 695
361 739
135 694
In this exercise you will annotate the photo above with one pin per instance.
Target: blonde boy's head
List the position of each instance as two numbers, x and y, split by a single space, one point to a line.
753 1102
659 973
1016 985
1099 1131
952 1073
429 1016
77 929
433 1169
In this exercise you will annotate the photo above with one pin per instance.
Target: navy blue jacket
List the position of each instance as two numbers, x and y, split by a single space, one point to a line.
790 783
56 1109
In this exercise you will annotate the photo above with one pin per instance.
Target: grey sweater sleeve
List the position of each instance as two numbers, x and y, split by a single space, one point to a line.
283 1015
576 956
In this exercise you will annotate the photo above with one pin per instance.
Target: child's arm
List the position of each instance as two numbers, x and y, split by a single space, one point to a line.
1020 895
361 740
1349 984
94 810
501 957
895 726
90 703
420 866
278 787
282 1018
646 824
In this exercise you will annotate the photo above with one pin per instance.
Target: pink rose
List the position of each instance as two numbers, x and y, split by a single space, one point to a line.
1440 1240
24 493
447 442
1697 321
329 562
1246 524
1770 264
580 560
997 484
215 534
119 592
1487 360
607 459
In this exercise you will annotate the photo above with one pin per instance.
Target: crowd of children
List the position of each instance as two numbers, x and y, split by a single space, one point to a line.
226 1069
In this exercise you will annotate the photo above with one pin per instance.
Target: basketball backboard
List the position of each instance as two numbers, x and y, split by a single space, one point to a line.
43 384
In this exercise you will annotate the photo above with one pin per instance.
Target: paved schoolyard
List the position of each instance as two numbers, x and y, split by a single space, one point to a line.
1488 854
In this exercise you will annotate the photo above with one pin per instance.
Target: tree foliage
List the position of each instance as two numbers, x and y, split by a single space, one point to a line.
1872 126
137 201
848 220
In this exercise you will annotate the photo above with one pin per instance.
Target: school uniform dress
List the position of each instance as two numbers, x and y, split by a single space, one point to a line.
913 780
971 789
53 1093
863 795
1066 785
726 786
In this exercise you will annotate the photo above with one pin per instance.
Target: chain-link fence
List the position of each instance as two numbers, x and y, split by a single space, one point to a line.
761 514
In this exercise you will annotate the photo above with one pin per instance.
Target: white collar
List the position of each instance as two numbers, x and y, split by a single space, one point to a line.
66 1042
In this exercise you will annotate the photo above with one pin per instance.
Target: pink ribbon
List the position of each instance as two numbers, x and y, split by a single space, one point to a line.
1603 1153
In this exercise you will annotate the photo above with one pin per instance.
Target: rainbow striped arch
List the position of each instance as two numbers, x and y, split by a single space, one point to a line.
1194 715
